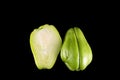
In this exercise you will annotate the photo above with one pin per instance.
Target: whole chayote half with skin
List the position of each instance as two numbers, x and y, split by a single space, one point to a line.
76 52
45 43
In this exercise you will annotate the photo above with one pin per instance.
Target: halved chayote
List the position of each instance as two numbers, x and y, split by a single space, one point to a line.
45 43
76 52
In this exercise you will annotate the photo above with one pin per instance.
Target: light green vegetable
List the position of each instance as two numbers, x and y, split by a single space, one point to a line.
76 52
45 43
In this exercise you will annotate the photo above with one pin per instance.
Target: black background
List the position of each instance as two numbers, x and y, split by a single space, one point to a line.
21 62
99 23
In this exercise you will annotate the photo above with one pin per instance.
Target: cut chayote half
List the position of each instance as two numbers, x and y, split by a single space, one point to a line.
76 52
45 43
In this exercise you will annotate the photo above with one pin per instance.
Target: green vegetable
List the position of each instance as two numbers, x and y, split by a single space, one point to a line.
45 43
76 52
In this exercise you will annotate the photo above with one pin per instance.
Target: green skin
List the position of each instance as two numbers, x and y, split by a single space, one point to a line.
45 43
76 52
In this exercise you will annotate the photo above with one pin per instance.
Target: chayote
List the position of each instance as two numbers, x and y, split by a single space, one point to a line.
45 43
76 52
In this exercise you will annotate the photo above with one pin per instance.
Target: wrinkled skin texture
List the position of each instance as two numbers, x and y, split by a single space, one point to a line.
45 43
76 52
